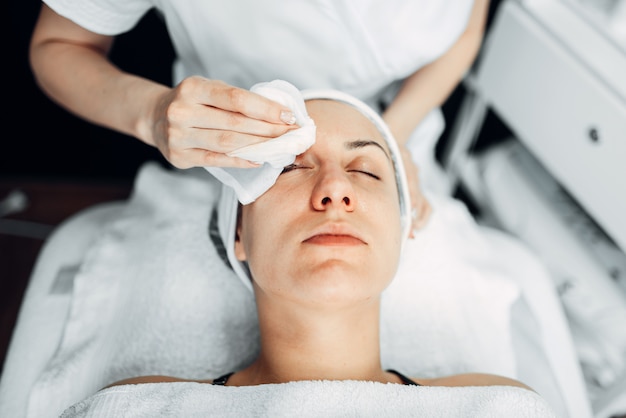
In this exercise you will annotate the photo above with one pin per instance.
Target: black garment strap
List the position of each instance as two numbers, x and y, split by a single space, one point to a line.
404 379
221 381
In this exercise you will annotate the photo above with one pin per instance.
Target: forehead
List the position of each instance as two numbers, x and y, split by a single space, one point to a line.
333 118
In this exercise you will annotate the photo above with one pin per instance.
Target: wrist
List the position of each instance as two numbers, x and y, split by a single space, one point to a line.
153 105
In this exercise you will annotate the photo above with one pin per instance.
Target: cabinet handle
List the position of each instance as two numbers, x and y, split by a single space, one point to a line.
594 135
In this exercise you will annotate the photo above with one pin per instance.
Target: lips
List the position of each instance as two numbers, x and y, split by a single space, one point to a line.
335 235
332 240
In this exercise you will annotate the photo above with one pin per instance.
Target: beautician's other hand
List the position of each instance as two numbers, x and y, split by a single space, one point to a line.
199 121
420 207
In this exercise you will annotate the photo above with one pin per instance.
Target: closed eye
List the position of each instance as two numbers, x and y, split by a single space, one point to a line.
367 173
290 167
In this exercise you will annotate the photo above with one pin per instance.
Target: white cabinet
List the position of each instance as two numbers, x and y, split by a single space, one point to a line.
559 84
572 120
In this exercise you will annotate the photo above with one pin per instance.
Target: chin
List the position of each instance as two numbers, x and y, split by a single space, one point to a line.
336 281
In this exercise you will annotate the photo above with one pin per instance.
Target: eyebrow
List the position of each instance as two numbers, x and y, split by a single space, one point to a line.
361 143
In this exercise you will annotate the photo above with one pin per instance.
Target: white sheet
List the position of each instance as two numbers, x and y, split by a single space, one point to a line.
45 305
311 399
127 316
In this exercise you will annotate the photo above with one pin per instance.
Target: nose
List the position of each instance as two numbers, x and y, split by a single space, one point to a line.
333 190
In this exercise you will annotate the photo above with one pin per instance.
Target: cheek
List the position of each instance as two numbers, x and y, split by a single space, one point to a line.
391 241
383 209
262 236
252 231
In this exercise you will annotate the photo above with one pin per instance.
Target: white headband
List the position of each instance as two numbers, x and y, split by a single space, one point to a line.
228 202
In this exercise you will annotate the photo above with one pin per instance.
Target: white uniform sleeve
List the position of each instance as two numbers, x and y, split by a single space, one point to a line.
106 17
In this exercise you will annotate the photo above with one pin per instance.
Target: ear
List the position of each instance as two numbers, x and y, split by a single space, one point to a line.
240 251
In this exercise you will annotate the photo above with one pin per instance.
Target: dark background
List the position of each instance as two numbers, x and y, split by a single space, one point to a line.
44 141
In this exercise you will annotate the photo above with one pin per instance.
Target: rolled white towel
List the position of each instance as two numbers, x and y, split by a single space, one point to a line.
311 399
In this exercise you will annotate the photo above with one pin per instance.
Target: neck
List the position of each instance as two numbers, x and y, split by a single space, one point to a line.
309 343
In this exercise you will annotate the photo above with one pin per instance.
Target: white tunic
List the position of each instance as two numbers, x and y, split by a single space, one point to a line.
358 46
362 47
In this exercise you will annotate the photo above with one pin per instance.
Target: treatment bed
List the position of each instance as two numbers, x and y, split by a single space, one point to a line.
138 287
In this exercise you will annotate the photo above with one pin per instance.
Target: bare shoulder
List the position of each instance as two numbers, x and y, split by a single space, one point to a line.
473 379
148 379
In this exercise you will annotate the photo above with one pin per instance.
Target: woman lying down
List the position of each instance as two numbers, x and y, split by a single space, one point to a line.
338 218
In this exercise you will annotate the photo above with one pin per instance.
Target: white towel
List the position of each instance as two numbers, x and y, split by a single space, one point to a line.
311 399
154 297
275 154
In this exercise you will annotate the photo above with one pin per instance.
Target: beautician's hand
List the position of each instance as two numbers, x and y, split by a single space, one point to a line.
199 121
420 207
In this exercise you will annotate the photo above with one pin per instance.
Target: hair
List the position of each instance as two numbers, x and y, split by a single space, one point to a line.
224 220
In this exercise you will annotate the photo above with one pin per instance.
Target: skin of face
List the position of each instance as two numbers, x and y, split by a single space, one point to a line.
328 231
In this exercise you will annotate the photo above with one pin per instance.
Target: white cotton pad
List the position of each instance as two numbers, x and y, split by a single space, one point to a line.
275 154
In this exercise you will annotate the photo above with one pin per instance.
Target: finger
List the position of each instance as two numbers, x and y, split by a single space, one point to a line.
413 226
219 119
220 160
219 141
242 101
420 214
424 215
203 158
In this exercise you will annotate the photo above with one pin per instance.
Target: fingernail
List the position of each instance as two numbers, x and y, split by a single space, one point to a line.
288 117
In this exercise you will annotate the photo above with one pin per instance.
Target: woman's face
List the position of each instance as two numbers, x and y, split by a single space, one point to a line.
329 229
